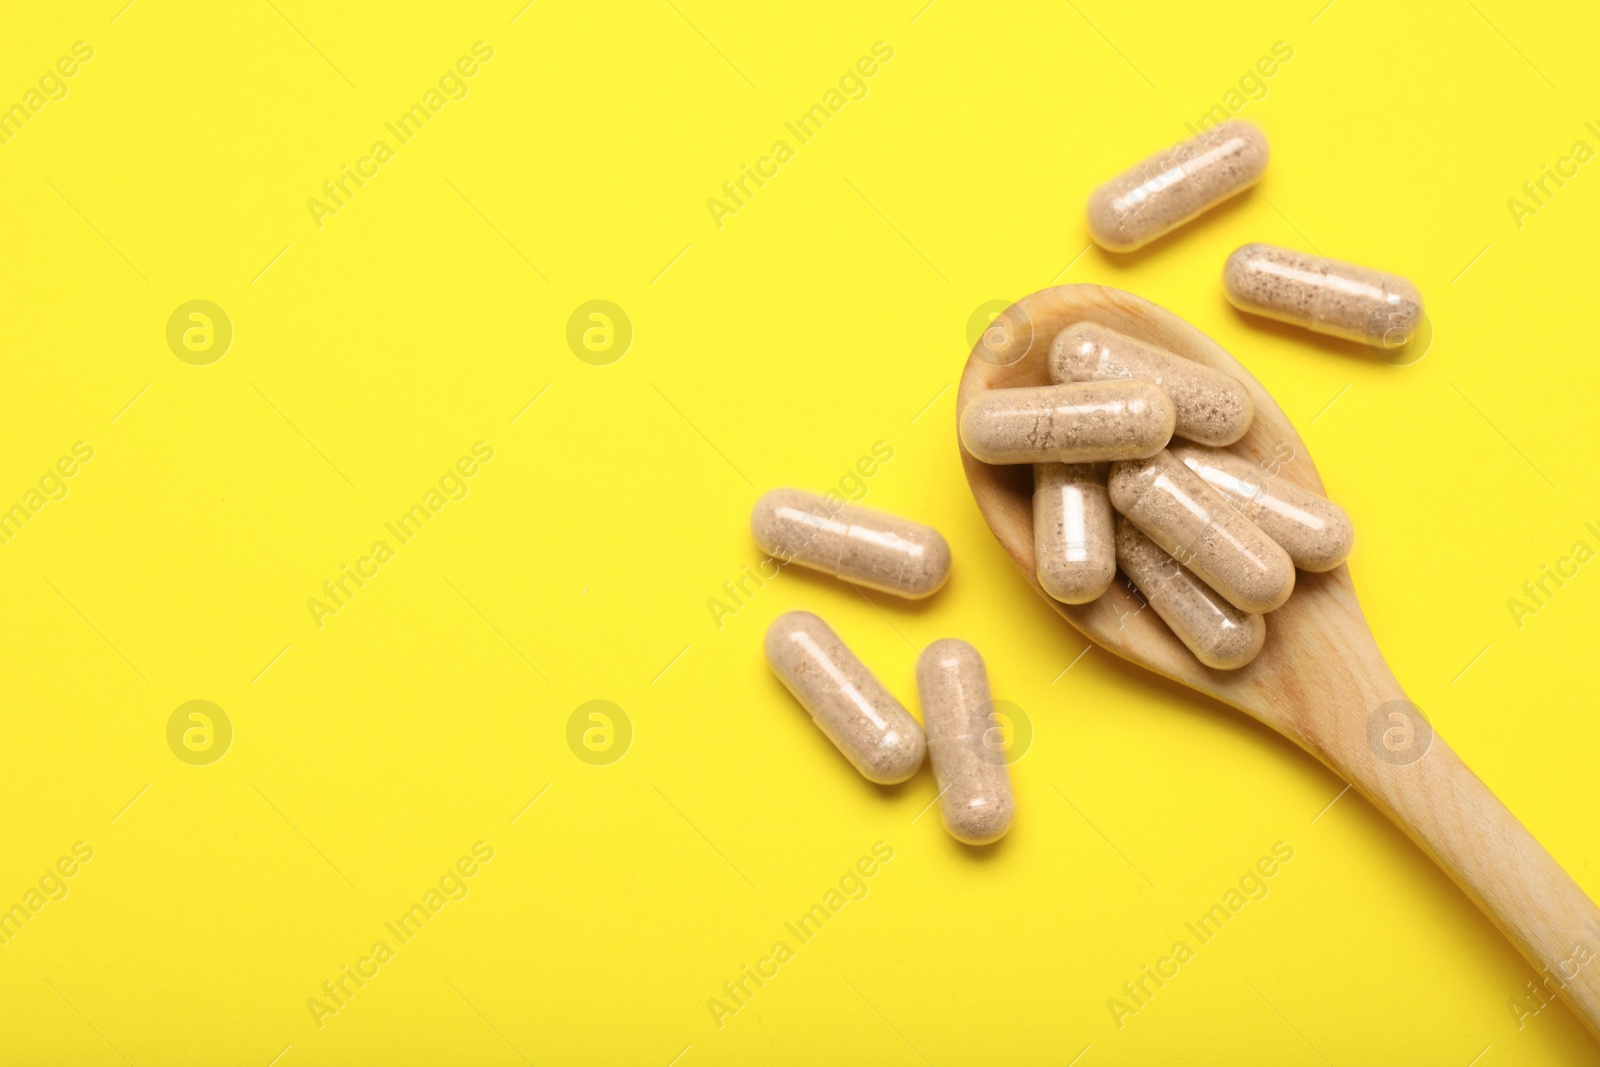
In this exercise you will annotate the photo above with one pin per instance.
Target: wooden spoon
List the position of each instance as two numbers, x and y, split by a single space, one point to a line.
1320 680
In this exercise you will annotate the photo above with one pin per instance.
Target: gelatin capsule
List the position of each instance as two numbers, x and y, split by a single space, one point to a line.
848 703
1161 193
1219 634
970 770
1209 406
1072 539
871 548
1193 523
1079 422
1315 531
1339 299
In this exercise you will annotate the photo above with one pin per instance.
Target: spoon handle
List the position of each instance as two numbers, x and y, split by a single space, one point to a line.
1447 810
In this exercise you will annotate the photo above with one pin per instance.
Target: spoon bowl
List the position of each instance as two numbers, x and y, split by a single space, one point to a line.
1319 679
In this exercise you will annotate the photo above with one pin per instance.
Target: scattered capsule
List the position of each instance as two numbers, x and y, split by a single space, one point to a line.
1219 634
1209 406
847 702
1072 548
1161 193
871 548
1079 422
1339 299
1315 531
974 783
1196 525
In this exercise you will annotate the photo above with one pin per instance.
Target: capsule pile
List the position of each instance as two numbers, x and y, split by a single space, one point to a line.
1208 537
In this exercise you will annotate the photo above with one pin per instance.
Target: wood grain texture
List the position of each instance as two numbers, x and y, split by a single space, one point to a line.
1320 679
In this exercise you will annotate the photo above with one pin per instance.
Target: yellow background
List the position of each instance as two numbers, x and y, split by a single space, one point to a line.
829 313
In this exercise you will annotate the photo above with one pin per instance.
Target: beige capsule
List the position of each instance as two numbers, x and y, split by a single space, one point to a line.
871 548
974 782
1315 531
1209 406
1339 299
1196 525
1219 634
1161 193
848 703
1079 422
1072 540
